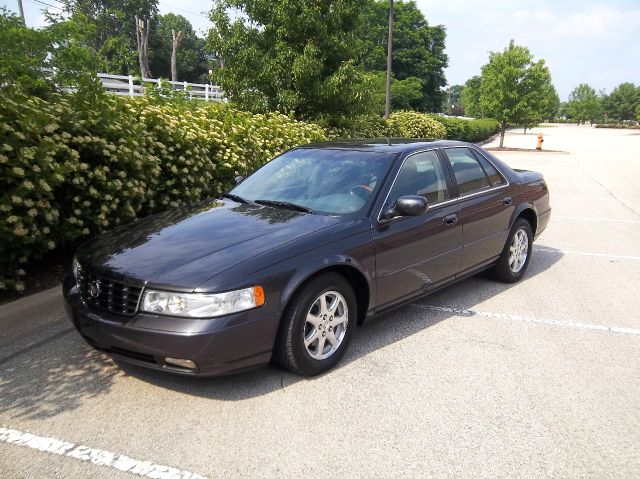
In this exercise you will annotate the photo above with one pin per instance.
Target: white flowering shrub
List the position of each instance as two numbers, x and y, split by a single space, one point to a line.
79 164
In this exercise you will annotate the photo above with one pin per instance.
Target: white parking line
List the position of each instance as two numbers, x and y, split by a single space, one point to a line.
96 457
542 249
588 218
594 198
514 317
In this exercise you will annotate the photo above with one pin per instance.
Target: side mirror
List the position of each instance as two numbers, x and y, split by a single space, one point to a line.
238 179
411 205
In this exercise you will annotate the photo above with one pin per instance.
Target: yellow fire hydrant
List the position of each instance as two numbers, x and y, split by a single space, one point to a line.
540 140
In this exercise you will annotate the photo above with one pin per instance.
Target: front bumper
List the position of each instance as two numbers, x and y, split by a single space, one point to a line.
217 346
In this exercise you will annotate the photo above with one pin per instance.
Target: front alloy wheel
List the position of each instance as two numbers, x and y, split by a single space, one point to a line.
326 325
317 325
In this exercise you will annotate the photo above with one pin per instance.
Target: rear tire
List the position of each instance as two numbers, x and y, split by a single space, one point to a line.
515 257
317 326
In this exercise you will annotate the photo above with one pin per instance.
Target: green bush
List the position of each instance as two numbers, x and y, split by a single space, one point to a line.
361 126
468 130
76 165
411 124
618 126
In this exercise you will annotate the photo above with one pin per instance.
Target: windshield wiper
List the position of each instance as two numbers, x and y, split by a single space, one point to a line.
233 197
284 204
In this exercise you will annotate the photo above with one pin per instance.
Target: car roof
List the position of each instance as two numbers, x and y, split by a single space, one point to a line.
383 145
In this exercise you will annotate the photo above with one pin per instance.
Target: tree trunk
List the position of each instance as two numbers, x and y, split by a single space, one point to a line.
503 129
175 43
142 39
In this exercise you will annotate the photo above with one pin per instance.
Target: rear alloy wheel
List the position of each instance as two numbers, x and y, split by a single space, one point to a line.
516 254
317 326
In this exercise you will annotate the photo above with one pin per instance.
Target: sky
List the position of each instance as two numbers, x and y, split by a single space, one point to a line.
594 42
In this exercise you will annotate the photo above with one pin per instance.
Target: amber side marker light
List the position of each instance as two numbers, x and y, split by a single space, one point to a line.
258 295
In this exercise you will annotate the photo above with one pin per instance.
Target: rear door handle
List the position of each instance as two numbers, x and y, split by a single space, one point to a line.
450 219
507 200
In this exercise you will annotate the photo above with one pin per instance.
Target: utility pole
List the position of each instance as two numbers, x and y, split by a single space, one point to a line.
21 10
387 107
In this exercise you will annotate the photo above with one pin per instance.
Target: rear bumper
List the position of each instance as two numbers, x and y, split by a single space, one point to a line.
543 221
217 346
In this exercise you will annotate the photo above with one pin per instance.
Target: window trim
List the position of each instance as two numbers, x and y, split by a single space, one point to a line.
477 154
435 149
506 183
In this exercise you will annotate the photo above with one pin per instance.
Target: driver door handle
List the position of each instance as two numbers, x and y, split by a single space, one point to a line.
450 219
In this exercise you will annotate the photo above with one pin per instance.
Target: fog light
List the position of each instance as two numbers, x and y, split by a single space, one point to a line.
183 363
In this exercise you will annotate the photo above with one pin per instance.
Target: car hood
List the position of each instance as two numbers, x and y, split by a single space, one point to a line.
184 247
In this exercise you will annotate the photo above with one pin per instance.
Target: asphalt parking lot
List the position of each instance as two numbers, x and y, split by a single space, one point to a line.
536 379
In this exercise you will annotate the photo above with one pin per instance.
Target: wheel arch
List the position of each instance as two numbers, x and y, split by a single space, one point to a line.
357 279
528 213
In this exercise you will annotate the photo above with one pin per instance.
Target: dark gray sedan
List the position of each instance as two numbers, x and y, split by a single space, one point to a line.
292 259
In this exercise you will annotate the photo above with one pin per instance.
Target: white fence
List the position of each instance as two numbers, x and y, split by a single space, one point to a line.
130 86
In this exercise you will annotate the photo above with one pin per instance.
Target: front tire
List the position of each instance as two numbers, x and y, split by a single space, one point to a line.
515 257
317 326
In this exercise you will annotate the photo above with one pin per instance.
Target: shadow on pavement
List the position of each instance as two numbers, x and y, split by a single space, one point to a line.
64 373
54 378
376 334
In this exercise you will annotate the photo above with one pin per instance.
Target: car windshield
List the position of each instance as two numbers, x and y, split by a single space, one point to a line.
325 181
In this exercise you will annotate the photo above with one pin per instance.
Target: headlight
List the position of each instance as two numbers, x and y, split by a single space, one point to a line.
202 305
75 268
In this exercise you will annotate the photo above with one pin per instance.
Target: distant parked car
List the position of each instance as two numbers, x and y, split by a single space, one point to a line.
312 244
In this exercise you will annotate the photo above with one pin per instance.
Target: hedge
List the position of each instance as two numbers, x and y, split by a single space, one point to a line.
410 124
468 130
620 126
78 164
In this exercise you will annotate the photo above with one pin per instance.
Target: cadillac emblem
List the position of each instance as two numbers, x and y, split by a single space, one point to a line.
94 289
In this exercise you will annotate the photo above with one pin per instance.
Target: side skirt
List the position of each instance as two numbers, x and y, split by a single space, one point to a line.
464 275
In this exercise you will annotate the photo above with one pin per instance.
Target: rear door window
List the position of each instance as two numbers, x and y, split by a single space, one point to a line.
470 176
494 176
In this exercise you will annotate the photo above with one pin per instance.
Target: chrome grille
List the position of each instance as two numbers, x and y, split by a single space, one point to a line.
109 295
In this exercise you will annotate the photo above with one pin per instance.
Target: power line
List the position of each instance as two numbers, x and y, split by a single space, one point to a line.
183 10
45 4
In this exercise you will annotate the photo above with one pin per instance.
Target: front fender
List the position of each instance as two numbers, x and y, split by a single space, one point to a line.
338 262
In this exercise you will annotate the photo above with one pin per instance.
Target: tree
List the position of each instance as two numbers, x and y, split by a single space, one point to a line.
513 88
191 59
418 49
142 42
622 102
176 36
291 56
638 113
470 97
453 100
584 104
553 104
23 55
107 29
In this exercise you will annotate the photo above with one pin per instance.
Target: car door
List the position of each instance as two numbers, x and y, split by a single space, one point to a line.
485 211
416 253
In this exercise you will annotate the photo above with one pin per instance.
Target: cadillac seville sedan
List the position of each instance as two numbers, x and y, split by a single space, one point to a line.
286 264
